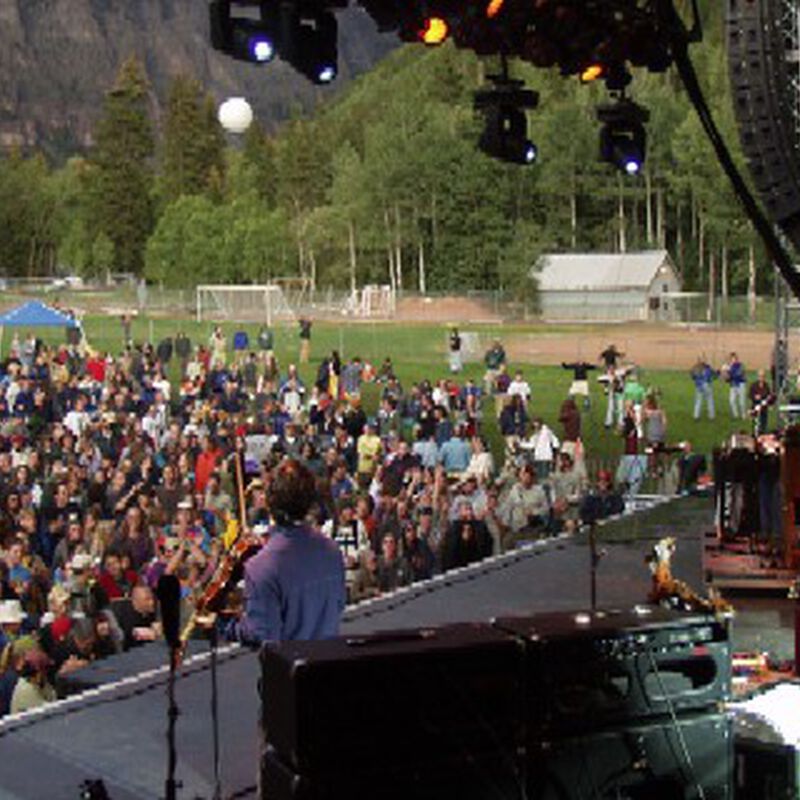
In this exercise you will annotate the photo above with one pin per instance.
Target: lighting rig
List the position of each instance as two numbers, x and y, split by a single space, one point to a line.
505 135
303 34
623 139
592 39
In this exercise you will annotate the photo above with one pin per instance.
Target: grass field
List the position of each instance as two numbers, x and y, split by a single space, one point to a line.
419 351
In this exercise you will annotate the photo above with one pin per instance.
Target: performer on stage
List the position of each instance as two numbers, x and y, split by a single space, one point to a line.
294 587
761 398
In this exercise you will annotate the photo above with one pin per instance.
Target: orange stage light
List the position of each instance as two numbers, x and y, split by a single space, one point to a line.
434 31
493 9
592 73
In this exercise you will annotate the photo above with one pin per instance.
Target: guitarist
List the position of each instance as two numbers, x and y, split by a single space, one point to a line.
294 586
761 398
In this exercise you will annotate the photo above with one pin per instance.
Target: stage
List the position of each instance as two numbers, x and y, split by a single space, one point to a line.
116 731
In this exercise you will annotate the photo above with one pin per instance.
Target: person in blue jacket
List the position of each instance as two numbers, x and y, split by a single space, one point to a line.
294 587
703 377
736 377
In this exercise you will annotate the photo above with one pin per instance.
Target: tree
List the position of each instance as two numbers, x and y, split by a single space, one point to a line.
102 254
122 177
259 164
187 228
72 219
27 210
193 149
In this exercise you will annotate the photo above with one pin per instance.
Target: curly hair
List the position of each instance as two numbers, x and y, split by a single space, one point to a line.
292 491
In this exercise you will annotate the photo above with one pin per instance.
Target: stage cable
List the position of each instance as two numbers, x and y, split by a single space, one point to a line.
679 40
676 725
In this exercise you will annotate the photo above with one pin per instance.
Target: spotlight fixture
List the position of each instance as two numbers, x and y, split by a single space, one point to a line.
505 133
310 45
505 136
249 38
259 30
494 7
592 72
94 790
251 41
434 31
623 139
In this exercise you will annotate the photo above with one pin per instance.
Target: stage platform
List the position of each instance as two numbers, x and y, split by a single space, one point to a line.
736 566
116 731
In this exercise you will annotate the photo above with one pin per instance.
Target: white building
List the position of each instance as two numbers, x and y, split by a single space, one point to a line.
607 286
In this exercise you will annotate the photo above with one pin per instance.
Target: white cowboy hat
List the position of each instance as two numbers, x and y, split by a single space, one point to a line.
81 561
11 612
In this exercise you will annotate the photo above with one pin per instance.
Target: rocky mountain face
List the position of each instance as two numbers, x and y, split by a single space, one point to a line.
59 57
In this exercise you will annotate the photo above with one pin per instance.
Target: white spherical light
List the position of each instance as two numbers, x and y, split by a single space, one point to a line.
235 115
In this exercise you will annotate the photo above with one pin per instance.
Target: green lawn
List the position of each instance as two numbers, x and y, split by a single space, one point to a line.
419 351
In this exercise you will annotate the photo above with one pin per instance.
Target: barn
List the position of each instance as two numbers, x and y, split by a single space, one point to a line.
607 286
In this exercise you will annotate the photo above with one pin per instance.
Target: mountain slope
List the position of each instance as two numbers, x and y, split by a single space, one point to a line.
58 57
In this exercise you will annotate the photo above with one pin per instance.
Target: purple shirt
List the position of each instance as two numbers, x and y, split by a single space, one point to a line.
293 589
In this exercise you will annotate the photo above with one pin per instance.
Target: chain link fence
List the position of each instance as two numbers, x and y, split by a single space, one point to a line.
126 295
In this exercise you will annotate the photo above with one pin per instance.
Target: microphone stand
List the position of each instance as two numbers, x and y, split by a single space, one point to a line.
595 557
171 785
213 642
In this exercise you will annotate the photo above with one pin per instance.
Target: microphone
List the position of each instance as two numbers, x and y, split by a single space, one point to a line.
169 598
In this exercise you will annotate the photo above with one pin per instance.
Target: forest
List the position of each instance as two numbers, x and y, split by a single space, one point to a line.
383 184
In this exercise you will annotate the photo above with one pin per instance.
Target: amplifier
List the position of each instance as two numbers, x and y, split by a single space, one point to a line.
474 777
586 670
392 698
766 770
688 758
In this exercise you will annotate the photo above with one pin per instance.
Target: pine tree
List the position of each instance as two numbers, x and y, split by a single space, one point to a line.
193 153
259 159
122 175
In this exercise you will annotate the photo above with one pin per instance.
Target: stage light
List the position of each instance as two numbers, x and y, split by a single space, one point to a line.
494 8
505 136
505 133
261 48
434 31
326 73
623 145
632 164
592 73
623 139
252 39
310 45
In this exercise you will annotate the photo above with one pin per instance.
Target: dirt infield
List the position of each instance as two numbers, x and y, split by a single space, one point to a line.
653 346
650 345
447 309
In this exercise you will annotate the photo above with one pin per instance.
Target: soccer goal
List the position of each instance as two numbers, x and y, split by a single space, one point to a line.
266 303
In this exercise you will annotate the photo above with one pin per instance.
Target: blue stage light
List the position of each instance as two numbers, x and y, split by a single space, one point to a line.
633 166
326 73
261 48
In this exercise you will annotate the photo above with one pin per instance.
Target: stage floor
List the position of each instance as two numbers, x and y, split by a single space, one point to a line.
116 732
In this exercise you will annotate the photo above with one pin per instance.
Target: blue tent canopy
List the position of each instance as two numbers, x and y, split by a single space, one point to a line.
36 314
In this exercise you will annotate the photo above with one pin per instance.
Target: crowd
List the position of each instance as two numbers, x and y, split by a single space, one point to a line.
116 470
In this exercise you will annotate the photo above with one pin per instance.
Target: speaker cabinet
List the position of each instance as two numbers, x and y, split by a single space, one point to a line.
474 777
689 758
766 771
587 670
394 698
760 61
